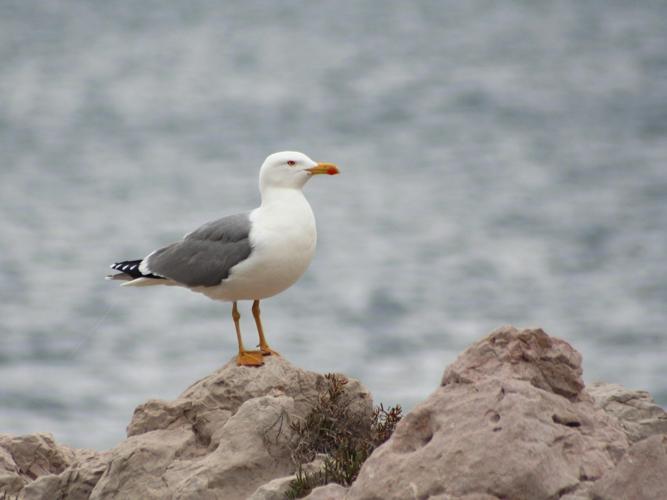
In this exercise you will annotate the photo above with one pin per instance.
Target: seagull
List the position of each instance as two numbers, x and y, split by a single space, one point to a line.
246 256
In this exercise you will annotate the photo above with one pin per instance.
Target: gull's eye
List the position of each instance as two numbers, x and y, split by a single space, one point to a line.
291 163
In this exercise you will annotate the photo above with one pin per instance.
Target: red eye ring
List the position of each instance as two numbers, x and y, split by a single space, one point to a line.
291 163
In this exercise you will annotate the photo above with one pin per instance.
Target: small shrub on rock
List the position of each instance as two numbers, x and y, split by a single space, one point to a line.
331 429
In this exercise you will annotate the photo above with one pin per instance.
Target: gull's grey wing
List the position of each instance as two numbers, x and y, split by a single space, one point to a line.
205 256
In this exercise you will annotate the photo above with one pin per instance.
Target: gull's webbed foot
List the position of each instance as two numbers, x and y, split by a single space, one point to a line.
267 351
249 358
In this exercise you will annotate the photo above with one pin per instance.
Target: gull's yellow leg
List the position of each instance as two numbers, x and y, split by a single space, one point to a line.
263 346
245 358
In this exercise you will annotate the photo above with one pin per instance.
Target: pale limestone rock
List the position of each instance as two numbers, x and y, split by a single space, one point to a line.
510 421
636 410
253 450
274 489
330 491
224 437
507 353
472 496
25 458
11 484
137 465
583 492
277 488
231 432
208 403
11 481
640 475
33 455
74 483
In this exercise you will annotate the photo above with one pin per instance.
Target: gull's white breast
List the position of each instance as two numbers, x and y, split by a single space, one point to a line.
283 238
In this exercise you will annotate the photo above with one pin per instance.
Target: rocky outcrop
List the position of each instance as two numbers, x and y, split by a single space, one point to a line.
636 410
641 473
511 419
224 437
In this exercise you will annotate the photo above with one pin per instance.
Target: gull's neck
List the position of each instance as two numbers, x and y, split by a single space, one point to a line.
286 212
272 195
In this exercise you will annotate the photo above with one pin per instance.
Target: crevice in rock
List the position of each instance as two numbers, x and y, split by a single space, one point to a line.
566 421
493 416
567 490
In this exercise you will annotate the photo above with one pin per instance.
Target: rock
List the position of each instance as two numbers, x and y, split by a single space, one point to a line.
137 465
10 484
636 410
641 474
229 434
25 458
511 420
76 482
546 362
472 496
275 489
33 455
330 491
207 404
278 488
224 437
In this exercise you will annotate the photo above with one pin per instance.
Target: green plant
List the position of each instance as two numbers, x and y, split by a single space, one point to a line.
331 428
304 484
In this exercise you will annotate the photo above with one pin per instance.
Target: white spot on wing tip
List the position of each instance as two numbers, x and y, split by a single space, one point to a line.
143 266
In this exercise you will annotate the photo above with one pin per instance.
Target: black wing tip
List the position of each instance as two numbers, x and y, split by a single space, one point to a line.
128 267
131 268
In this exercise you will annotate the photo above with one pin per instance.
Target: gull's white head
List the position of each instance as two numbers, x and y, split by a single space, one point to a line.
291 169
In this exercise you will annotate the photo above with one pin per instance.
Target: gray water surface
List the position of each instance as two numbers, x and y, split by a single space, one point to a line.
502 163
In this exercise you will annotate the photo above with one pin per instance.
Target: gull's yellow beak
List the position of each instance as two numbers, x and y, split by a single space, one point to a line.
324 168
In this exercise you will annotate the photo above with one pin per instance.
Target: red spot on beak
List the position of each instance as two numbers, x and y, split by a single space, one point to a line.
332 171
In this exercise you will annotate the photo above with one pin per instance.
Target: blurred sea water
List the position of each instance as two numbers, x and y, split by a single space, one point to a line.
501 163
